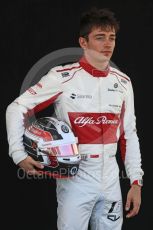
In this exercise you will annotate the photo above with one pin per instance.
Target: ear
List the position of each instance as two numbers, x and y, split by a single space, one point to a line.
83 42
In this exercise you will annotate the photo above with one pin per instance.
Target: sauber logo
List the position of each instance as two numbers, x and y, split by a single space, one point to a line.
82 121
80 96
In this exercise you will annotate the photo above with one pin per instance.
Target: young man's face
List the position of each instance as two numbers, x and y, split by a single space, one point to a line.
100 44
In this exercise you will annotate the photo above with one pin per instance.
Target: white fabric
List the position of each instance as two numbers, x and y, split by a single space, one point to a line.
92 107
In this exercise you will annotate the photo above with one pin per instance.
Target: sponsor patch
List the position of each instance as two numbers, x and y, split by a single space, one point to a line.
65 74
113 210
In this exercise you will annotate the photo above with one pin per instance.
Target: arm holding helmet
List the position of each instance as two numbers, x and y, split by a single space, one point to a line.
33 100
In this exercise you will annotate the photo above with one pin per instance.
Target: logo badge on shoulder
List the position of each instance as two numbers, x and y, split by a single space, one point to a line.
124 81
65 74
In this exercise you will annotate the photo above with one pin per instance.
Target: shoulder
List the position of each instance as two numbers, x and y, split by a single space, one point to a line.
121 77
119 74
66 72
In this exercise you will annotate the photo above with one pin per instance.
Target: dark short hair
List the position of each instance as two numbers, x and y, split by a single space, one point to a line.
103 18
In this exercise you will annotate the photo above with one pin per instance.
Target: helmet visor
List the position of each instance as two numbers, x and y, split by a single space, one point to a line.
63 150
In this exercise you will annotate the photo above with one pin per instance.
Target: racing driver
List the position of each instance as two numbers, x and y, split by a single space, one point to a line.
96 100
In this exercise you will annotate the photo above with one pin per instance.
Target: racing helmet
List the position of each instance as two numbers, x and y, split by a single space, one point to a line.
53 143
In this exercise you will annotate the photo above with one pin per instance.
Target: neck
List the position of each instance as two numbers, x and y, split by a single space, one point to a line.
98 64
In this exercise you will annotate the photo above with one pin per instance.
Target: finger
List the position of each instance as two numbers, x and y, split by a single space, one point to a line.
37 164
134 211
131 214
128 204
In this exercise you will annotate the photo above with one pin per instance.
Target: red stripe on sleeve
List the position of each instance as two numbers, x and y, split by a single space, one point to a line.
39 107
122 140
45 104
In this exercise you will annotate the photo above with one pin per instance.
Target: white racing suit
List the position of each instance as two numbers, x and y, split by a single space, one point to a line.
99 107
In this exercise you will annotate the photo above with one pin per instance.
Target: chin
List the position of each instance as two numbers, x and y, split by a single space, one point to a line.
103 58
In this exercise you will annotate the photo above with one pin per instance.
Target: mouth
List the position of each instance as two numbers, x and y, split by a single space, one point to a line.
106 52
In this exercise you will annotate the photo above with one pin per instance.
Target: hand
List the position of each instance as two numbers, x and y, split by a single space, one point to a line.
31 166
134 199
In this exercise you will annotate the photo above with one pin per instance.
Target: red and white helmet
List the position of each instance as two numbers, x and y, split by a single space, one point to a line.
52 142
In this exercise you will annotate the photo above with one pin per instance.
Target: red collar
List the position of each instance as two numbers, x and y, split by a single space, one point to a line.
92 70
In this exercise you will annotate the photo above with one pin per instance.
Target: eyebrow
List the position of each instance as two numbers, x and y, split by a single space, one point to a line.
101 34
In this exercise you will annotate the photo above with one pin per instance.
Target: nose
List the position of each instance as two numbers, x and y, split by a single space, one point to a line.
107 42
